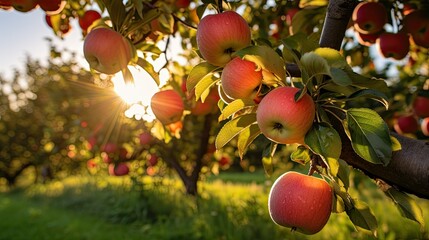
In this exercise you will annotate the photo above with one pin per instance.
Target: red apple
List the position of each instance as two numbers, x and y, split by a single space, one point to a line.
106 158
290 13
24 5
6 4
109 147
145 138
91 164
123 153
88 18
283 120
300 202
224 161
425 126
367 39
48 20
208 106
52 7
220 35
240 79
182 3
406 124
106 50
393 45
421 106
417 24
369 17
152 160
168 106
119 169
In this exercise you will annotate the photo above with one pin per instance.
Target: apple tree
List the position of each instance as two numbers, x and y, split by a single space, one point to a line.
344 82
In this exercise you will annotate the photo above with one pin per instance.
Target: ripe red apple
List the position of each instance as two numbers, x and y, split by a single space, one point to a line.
182 3
224 161
240 79
168 106
367 39
109 147
369 17
6 4
48 20
208 106
406 124
300 202
425 126
220 35
393 45
290 13
283 120
415 21
106 50
421 38
52 7
24 5
421 106
145 138
152 160
119 169
88 18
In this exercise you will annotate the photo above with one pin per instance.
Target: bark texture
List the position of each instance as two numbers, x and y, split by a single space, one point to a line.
408 169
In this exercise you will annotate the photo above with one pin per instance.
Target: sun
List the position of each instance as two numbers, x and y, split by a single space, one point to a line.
136 94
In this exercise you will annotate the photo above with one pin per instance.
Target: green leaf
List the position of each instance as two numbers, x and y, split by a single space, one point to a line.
203 87
266 59
342 199
370 94
117 12
149 69
314 64
267 158
197 73
396 145
366 82
166 23
369 135
332 56
301 155
234 107
344 173
362 217
138 4
246 137
340 77
407 206
324 140
233 128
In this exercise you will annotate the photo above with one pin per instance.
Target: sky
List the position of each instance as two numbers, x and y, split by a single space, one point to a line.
23 34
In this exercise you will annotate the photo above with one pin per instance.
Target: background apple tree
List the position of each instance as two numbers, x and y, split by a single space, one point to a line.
369 86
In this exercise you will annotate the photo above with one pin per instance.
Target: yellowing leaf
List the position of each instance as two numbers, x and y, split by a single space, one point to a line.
233 128
234 107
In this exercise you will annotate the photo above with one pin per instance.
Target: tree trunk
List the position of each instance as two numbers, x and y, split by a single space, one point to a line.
408 169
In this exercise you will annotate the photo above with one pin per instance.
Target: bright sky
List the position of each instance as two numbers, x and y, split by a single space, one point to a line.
23 34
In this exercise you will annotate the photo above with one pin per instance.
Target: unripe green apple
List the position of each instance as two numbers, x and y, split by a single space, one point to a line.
220 35
168 106
300 202
106 50
393 45
406 124
421 106
369 17
240 79
283 120
24 5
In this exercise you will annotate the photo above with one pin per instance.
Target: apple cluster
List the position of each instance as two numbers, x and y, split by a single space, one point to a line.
280 117
369 20
49 6
416 120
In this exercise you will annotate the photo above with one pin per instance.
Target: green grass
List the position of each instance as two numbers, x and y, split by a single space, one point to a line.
113 208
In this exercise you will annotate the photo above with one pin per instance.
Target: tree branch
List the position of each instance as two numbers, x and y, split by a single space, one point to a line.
408 169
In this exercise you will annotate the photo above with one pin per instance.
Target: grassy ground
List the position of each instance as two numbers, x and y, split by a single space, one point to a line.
112 208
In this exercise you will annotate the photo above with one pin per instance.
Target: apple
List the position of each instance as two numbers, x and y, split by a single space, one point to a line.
369 17
91 164
224 161
421 38
300 202
123 153
240 79
406 124
283 120
421 106
208 106
48 20
393 45
24 5
88 18
106 50
167 106
290 13
220 35
367 39
119 169
52 7
106 158
417 24
109 147
152 160
145 138
182 3
6 4
425 126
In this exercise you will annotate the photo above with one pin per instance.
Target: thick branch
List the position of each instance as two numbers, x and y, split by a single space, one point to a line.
408 169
